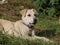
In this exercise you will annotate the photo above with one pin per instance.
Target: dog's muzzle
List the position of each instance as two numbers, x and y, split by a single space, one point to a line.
34 22
31 24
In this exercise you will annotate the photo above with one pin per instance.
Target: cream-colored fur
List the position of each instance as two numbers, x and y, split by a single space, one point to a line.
20 27
17 28
3 1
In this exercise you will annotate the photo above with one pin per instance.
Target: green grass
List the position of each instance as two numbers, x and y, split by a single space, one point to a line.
48 24
9 40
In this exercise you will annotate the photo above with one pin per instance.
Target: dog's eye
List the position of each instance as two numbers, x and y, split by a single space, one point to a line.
35 15
29 15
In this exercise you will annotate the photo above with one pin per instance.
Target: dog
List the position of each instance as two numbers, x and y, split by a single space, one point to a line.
23 27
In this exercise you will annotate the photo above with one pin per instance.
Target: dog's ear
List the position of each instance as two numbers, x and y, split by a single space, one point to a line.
35 11
23 12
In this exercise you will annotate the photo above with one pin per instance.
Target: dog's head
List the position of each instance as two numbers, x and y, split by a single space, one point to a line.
29 16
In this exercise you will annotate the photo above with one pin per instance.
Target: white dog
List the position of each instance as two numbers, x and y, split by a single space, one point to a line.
22 27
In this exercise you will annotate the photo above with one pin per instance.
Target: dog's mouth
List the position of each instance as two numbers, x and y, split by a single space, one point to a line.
31 24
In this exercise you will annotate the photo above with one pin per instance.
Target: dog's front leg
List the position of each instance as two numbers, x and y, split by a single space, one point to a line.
33 33
42 38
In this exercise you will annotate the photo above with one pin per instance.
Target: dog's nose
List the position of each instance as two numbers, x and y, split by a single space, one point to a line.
35 20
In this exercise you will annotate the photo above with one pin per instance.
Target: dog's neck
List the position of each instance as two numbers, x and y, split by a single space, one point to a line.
31 27
26 25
